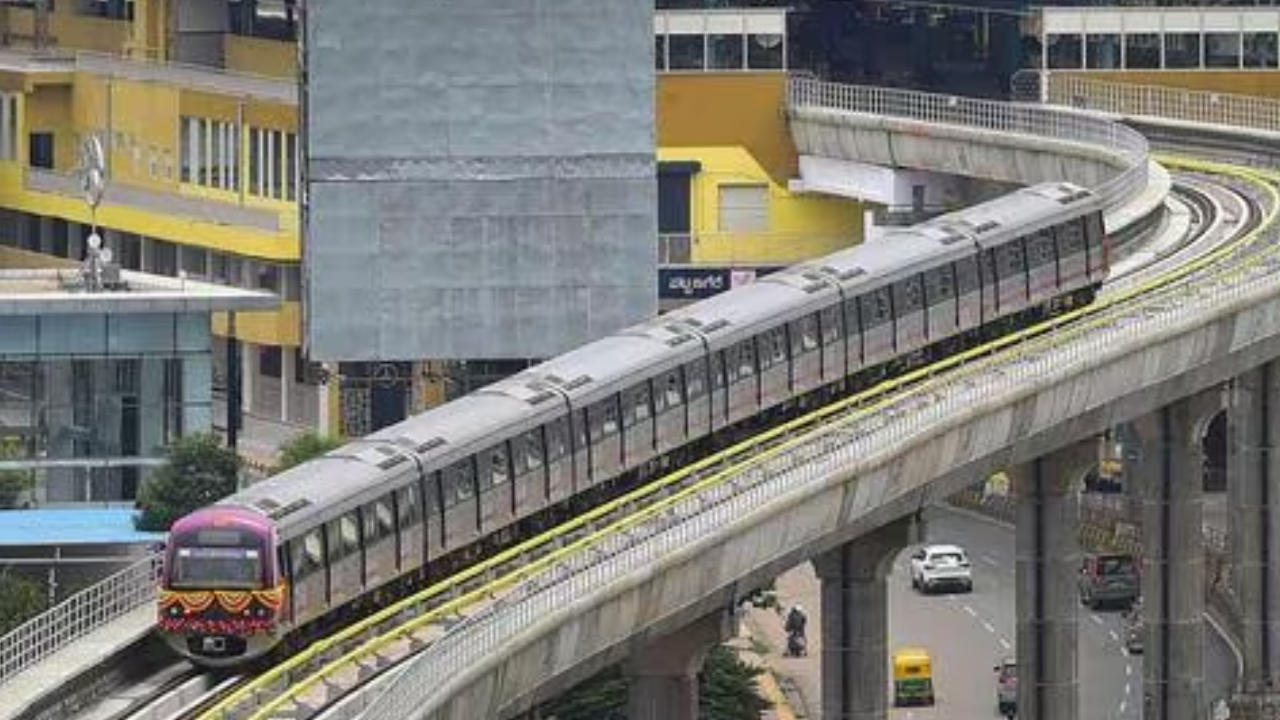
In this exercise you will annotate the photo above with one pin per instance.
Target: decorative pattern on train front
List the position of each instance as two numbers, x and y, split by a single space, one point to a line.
221 612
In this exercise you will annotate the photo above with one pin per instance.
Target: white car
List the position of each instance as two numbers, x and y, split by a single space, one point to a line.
938 566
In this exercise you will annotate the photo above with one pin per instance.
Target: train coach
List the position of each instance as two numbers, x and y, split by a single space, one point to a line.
416 500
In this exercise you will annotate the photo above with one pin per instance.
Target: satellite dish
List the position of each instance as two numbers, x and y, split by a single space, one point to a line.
93 170
95 240
107 255
767 40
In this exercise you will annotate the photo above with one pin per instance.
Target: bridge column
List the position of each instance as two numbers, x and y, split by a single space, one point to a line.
664 672
1253 471
1171 473
855 623
1048 564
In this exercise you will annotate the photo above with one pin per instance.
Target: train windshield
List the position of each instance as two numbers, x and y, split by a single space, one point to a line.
218 559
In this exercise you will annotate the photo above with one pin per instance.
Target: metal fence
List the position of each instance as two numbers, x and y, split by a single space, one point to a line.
79 615
852 446
1154 101
1128 145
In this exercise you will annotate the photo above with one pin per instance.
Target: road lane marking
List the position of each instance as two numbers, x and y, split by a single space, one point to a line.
990 561
1128 669
1005 644
990 628
1097 619
1115 636
1124 705
970 610
1127 689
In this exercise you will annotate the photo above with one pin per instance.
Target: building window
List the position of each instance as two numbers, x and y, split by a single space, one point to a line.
1260 50
210 153
1181 50
40 150
744 208
1142 51
1222 50
273 164
1064 52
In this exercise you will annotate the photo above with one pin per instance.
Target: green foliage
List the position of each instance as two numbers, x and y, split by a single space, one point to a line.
20 600
726 691
199 472
727 688
305 447
13 483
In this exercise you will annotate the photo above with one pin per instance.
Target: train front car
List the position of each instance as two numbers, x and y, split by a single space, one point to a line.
221 594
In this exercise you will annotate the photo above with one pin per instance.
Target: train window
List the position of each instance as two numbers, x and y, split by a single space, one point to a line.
966 275
695 379
809 332
939 284
907 295
309 553
746 360
349 533
386 519
556 446
1070 238
672 392
407 507
459 482
852 316
829 319
1040 250
497 462
778 344
531 457
437 497
370 524
1096 232
575 427
604 418
640 402
1010 260
765 350
874 308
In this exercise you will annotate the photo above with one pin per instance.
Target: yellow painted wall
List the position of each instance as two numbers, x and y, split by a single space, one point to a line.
48 109
1260 83
800 226
69 30
259 56
282 327
143 120
727 109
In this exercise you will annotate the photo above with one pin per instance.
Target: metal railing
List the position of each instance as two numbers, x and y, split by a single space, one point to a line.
1128 146
1165 103
747 249
705 515
79 615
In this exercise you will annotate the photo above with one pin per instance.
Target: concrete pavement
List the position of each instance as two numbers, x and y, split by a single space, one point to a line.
969 633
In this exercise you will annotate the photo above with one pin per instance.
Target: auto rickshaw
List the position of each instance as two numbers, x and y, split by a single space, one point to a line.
912 677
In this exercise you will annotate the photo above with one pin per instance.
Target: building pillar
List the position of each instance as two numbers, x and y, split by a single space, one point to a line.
855 623
1171 472
664 672
1252 471
286 380
1048 563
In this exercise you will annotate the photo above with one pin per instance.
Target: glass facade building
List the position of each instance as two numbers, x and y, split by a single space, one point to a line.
94 386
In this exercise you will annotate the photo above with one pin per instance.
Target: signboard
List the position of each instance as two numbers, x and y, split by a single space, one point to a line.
693 282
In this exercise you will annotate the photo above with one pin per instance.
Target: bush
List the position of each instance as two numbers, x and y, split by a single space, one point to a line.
13 483
305 447
199 472
20 600
726 691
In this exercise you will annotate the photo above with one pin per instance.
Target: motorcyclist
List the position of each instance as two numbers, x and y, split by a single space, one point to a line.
795 625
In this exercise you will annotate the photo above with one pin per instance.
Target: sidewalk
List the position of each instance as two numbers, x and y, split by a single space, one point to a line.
794 685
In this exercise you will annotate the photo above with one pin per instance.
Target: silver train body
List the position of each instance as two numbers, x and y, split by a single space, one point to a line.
382 509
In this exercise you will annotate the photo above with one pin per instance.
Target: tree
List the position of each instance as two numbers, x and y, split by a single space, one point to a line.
198 472
305 447
20 600
13 483
726 691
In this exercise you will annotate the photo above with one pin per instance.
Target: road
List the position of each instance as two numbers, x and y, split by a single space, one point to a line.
967 634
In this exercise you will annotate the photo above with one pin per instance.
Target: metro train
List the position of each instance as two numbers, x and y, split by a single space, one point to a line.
342 533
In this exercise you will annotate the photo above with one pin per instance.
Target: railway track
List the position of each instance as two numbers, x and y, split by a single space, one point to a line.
303 685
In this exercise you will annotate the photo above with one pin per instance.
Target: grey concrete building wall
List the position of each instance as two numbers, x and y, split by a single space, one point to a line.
480 176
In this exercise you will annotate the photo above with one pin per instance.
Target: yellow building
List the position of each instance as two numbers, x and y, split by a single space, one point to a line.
203 164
